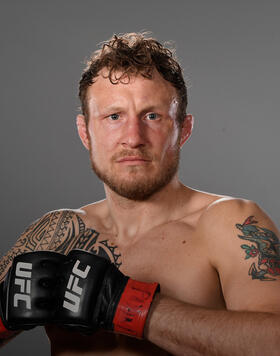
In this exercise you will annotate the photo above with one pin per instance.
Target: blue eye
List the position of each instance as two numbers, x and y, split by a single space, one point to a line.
114 117
152 116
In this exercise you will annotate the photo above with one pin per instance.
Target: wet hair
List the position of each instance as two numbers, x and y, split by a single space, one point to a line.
133 54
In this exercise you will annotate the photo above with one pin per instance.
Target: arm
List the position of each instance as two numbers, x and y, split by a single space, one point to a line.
54 231
245 254
185 329
37 237
27 242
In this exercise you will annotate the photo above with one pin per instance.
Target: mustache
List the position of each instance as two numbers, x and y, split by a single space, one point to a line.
128 153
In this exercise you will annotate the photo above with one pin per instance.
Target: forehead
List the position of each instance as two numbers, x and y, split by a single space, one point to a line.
136 89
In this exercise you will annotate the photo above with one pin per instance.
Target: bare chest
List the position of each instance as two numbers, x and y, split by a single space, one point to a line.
175 257
172 255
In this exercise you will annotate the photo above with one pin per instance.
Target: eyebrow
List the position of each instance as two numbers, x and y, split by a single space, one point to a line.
113 108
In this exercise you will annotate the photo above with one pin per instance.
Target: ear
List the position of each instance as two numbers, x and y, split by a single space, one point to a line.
186 129
82 130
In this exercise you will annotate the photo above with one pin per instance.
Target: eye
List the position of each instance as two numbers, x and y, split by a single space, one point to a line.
152 116
114 117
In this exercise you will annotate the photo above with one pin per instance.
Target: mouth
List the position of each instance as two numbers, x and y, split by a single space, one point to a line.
133 160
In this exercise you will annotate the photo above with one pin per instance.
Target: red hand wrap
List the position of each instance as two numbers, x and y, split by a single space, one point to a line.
133 308
4 333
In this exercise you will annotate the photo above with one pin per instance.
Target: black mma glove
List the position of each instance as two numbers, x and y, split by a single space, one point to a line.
29 294
97 295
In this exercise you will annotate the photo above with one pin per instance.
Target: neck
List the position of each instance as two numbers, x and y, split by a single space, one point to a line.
129 218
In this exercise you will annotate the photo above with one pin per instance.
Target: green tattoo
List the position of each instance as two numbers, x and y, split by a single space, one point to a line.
265 247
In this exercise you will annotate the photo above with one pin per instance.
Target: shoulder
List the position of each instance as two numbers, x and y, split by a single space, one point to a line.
42 234
227 214
228 211
59 220
61 229
53 219
55 229
243 246
227 222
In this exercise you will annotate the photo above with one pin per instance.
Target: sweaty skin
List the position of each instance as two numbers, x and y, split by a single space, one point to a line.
213 256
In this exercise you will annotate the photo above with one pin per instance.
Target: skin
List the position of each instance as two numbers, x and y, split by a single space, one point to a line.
188 241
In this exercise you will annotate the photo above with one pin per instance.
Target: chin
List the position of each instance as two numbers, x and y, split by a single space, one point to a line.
138 188
135 194
136 183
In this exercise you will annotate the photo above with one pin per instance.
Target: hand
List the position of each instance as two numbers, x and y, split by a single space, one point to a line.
98 295
80 291
29 293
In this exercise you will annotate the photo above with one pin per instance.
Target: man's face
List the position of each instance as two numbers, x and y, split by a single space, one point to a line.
132 134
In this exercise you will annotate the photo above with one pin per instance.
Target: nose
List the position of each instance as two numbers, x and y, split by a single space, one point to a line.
134 133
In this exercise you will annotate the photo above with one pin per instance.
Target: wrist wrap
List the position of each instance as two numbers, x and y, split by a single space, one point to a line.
133 308
4 332
96 295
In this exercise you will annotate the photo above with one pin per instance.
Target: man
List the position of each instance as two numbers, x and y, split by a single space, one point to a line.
216 258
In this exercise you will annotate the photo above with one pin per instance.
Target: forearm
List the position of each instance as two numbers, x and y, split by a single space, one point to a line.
185 329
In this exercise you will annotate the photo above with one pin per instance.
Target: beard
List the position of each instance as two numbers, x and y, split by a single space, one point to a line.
140 185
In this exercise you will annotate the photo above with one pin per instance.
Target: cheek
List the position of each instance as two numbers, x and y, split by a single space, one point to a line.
101 145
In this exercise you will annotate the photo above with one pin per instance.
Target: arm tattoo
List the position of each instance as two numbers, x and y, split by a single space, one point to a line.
34 238
60 231
71 233
265 246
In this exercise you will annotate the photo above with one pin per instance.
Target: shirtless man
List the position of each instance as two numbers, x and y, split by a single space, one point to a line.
216 258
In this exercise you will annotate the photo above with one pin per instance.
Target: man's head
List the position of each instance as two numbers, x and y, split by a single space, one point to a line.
131 54
133 121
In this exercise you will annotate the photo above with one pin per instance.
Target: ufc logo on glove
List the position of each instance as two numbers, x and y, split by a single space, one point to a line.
74 290
23 271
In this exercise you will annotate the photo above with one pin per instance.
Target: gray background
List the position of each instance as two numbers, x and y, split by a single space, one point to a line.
230 54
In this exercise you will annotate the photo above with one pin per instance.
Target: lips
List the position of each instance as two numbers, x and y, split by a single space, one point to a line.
132 158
